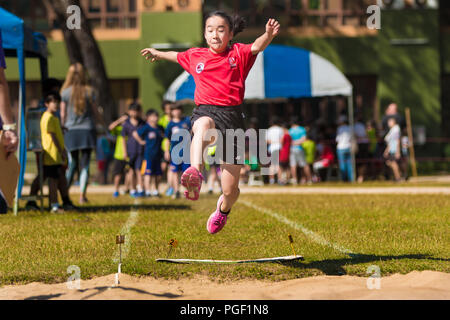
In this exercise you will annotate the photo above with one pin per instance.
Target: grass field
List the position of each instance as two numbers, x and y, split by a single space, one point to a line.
398 233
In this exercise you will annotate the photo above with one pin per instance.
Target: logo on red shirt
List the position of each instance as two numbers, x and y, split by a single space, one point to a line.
199 68
232 62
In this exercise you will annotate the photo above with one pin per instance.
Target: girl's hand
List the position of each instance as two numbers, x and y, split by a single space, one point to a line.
272 27
150 53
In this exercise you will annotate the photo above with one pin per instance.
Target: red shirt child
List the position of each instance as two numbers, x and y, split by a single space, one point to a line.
218 81
285 147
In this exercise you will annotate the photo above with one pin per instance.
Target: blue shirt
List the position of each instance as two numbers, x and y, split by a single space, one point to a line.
297 133
133 147
2 53
153 138
174 127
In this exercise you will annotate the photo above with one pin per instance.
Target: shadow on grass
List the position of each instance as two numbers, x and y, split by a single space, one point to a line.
125 207
334 267
128 207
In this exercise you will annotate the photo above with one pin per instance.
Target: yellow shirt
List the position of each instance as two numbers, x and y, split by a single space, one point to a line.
50 123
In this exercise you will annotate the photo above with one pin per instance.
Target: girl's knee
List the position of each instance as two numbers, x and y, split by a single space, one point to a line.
231 191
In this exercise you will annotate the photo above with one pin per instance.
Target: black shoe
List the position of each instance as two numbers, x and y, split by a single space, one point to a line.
32 205
69 206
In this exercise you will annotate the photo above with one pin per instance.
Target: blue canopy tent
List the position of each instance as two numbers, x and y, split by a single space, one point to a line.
21 42
282 72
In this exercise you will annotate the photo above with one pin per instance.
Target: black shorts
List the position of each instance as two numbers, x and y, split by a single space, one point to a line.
119 166
284 164
53 171
363 151
225 117
135 161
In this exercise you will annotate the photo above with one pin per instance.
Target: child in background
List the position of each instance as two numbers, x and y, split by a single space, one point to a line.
119 162
55 156
325 159
284 168
392 153
177 123
404 142
163 122
102 155
309 147
297 154
213 170
153 134
133 151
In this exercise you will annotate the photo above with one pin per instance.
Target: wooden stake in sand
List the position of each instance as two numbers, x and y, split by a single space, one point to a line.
120 239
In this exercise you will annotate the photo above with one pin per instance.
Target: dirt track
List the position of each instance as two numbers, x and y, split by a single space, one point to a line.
415 285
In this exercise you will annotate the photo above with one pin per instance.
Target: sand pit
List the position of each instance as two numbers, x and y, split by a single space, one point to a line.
415 285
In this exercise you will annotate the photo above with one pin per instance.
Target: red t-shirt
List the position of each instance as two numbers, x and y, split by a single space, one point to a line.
219 78
285 147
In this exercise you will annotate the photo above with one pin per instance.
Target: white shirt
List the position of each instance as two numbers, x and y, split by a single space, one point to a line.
392 138
274 135
343 137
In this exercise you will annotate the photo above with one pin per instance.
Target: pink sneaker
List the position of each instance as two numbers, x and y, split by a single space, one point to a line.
216 220
192 179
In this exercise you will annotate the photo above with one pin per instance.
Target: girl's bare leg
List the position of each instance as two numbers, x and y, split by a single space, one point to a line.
230 185
201 126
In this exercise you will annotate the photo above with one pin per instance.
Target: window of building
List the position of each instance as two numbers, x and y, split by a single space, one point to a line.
111 14
296 12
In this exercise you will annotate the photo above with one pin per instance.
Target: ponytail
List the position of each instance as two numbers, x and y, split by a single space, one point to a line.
236 23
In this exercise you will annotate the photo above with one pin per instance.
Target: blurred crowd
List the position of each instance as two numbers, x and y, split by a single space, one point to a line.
136 149
317 152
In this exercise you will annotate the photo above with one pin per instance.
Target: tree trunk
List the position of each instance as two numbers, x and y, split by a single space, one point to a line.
82 47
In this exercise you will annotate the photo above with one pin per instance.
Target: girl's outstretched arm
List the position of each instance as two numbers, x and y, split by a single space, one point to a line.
272 30
153 54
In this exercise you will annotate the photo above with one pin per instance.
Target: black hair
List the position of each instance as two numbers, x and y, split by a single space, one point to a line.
52 96
151 112
285 125
175 106
135 106
164 103
236 23
294 121
49 84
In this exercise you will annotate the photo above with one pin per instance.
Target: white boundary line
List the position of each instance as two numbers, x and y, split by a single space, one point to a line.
126 231
312 235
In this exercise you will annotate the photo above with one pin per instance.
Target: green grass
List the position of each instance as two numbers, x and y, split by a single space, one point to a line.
398 233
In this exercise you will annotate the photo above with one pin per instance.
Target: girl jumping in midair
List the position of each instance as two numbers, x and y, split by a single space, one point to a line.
219 73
